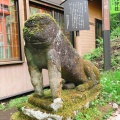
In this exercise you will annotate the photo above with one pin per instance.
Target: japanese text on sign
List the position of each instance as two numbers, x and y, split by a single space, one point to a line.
76 15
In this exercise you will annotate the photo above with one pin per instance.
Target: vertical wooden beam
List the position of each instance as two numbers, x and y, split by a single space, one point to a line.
21 20
106 34
28 8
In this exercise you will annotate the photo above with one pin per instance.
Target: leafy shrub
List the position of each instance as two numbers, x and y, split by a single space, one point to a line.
89 114
111 86
115 33
97 56
114 21
95 53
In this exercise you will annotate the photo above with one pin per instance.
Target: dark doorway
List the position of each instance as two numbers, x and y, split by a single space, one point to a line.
98 30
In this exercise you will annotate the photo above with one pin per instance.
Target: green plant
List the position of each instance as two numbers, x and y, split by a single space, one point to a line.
2 106
111 86
95 53
114 21
100 102
17 101
108 114
110 92
115 32
13 102
89 114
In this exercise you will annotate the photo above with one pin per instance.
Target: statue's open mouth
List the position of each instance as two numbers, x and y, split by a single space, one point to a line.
37 43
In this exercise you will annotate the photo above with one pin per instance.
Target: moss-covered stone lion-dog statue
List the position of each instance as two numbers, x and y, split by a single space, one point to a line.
46 47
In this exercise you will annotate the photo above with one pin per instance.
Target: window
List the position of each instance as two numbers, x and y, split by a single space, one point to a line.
37 9
9 37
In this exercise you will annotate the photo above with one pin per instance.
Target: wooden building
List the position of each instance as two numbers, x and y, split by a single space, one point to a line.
14 74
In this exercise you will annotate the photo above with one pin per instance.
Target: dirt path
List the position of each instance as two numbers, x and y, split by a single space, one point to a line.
5 115
115 115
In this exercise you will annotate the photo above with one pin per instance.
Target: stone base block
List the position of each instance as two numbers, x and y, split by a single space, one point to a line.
74 101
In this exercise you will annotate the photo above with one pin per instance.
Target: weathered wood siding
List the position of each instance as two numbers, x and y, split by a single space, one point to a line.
14 80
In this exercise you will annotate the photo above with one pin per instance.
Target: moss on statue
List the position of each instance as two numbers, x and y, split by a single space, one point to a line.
37 16
46 47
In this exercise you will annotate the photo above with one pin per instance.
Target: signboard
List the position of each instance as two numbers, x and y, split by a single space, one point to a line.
114 6
76 15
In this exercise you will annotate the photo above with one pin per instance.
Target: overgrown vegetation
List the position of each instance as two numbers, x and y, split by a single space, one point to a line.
110 80
110 93
111 86
97 57
115 25
89 114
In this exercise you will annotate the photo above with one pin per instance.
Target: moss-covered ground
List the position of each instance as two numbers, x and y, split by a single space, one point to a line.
73 100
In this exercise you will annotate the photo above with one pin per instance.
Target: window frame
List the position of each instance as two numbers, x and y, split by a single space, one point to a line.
97 22
20 18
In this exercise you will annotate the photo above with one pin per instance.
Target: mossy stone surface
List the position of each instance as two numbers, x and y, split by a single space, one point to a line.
73 100
46 47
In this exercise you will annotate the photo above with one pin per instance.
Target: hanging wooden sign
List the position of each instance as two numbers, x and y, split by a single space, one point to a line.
76 15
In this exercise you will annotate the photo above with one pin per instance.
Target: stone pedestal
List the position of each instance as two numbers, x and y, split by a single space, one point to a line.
74 101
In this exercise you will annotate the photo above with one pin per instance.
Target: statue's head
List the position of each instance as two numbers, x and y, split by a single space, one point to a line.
40 28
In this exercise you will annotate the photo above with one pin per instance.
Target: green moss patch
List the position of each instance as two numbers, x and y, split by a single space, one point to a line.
20 116
73 100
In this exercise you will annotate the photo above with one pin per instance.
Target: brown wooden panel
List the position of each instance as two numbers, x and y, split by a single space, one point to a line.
15 80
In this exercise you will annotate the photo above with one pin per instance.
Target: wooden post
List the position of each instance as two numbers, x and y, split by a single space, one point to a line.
106 34
21 21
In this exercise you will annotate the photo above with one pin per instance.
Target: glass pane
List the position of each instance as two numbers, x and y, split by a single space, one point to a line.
9 42
60 20
56 16
8 51
1 46
8 27
47 11
37 9
34 10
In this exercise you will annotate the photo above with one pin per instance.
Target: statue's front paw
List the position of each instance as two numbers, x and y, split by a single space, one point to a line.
40 94
57 103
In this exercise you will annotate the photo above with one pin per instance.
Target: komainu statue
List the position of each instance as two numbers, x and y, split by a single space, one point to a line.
46 47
